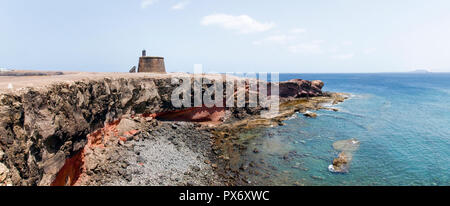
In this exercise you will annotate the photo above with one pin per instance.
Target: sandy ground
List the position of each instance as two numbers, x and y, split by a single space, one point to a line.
15 83
18 82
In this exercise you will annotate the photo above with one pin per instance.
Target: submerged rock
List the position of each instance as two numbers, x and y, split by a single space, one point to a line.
349 145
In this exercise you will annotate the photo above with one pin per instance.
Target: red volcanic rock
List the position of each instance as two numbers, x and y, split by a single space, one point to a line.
195 114
71 171
296 88
74 167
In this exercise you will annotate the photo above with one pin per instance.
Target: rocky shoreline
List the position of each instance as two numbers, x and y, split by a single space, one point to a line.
123 130
165 153
232 147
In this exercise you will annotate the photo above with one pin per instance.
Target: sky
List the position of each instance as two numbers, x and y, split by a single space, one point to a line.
294 36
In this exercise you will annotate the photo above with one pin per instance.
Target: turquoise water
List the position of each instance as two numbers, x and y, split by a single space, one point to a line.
401 120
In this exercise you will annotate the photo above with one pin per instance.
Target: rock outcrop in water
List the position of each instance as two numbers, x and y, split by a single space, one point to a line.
310 114
41 129
341 164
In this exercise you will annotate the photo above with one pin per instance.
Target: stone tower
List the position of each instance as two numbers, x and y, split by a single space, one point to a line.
151 64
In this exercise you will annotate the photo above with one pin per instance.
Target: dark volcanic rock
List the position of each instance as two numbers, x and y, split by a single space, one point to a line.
300 88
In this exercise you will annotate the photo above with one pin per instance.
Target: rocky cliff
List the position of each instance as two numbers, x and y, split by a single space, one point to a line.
42 127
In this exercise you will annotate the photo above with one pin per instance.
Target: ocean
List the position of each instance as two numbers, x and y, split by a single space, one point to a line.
402 122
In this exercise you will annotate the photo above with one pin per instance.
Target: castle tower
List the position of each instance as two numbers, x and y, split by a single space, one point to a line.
151 64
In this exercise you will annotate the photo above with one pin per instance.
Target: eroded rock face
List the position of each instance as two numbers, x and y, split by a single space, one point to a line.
4 178
318 84
41 128
126 125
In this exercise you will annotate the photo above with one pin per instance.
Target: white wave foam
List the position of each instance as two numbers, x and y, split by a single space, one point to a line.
294 116
331 169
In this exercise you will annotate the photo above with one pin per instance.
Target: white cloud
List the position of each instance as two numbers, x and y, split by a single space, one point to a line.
333 49
313 47
277 39
369 50
343 56
298 30
180 5
147 3
242 24
280 38
347 43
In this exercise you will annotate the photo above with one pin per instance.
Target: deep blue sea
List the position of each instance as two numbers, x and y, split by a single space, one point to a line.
401 120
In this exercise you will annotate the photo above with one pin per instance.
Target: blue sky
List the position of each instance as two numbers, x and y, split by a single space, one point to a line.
227 35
